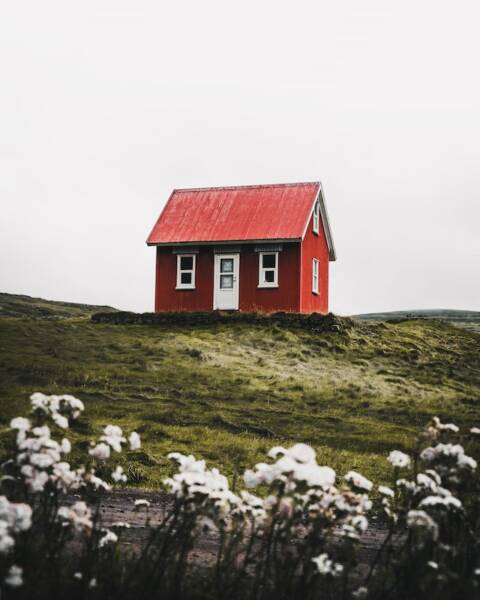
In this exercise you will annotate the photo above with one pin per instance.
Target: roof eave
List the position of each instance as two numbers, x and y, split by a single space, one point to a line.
226 242
332 255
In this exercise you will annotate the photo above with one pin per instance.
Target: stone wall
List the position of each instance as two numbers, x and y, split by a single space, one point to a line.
311 322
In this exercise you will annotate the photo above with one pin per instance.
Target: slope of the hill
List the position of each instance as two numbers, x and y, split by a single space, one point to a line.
468 319
20 306
229 391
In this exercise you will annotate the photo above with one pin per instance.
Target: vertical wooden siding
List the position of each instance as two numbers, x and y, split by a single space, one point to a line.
251 297
167 298
286 296
314 246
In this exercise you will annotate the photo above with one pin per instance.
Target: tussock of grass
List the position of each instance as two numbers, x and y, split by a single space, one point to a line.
227 392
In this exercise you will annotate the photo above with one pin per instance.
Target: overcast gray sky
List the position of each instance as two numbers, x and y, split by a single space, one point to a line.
105 106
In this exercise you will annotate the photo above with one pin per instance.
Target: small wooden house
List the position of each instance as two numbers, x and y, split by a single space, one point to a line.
251 248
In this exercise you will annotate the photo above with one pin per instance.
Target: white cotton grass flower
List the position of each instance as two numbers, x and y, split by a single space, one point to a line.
454 452
92 583
100 452
14 516
475 430
354 527
20 517
6 541
35 480
433 565
118 475
78 576
435 428
141 502
42 461
301 453
326 566
360 593
251 479
441 501
386 491
406 484
465 461
398 459
96 482
425 482
434 475
40 401
21 424
65 446
134 441
14 576
297 465
444 426
65 478
420 521
113 436
359 481
42 432
121 525
108 538
79 515
58 408
60 420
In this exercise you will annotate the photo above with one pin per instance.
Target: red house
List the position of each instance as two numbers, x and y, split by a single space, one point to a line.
251 248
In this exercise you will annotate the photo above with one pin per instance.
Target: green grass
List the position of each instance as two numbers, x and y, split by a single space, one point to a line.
468 319
16 305
228 392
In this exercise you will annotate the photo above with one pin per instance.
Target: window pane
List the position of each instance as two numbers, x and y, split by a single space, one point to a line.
186 263
226 282
185 278
226 265
269 261
269 276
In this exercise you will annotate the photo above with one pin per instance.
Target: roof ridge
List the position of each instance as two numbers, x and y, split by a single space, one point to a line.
246 187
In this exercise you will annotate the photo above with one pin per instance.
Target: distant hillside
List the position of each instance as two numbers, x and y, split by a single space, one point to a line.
468 319
229 390
16 305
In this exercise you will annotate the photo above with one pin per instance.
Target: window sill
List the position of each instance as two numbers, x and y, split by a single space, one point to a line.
315 293
267 287
185 287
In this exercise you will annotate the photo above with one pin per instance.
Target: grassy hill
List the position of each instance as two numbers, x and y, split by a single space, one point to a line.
468 319
229 391
15 305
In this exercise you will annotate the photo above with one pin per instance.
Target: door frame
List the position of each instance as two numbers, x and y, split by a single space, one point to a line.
236 278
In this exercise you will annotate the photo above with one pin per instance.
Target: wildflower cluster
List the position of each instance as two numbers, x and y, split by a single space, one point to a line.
295 531
429 500
40 473
15 518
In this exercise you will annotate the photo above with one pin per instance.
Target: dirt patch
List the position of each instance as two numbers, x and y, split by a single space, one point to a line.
119 506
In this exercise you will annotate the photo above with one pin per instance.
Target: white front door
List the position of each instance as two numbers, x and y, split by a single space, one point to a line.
226 282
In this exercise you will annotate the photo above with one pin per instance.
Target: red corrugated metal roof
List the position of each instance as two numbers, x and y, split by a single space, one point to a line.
242 213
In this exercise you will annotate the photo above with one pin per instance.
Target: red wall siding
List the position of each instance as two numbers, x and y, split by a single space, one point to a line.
251 298
286 296
314 246
167 298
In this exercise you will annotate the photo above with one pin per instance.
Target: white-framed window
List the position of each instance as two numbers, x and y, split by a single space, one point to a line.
315 263
186 271
268 269
316 217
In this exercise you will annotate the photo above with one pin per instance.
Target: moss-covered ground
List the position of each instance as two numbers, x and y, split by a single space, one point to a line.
228 392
